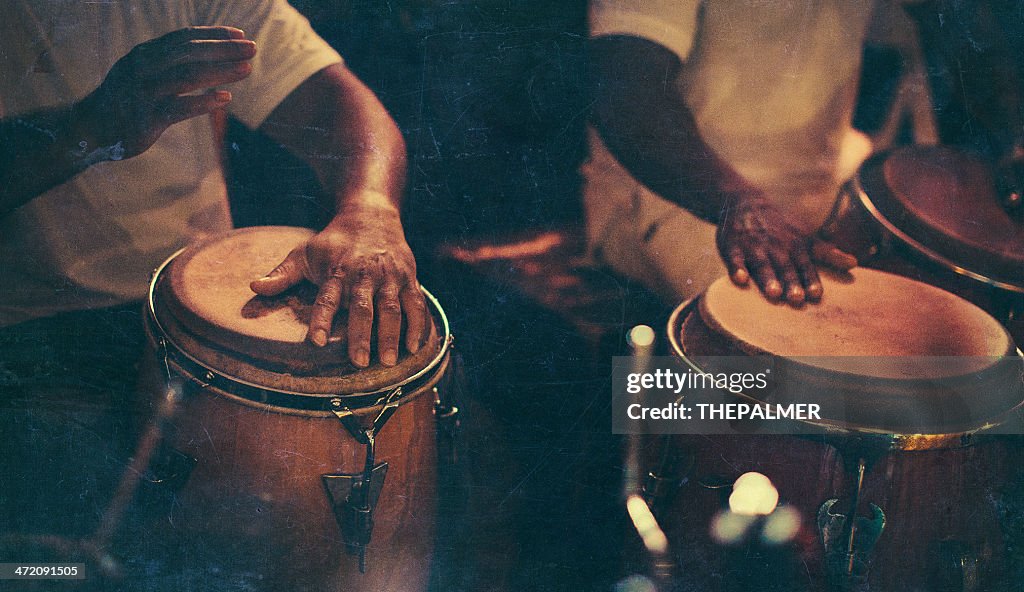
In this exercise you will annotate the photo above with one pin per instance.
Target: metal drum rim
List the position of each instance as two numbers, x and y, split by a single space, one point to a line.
886 438
162 337
916 245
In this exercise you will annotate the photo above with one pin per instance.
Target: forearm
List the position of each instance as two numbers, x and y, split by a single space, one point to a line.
339 127
39 151
361 260
645 123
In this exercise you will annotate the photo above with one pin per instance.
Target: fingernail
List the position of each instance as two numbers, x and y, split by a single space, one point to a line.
222 96
320 337
389 357
795 295
814 291
236 33
413 345
362 358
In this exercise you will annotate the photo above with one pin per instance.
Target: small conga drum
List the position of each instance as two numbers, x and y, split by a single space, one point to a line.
938 207
290 469
904 490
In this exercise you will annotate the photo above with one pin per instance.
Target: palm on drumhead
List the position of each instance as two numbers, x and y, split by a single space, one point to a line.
756 241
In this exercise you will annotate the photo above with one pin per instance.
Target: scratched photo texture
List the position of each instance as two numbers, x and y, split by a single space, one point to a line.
492 99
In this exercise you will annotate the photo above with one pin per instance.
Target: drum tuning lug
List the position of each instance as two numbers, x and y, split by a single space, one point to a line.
848 544
353 499
446 413
208 378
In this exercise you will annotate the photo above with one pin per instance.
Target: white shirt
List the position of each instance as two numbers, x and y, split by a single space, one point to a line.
95 240
771 85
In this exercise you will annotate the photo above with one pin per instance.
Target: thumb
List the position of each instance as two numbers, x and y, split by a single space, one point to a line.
828 254
291 271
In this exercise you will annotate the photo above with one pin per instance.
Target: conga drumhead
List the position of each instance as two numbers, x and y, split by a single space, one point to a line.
899 354
946 201
877 315
203 302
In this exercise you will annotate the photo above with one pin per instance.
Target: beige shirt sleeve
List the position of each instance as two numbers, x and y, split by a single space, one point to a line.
288 52
670 23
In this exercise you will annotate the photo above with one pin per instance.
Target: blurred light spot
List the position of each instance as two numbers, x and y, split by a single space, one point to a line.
728 528
753 495
646 525
641 336
781 526
636 584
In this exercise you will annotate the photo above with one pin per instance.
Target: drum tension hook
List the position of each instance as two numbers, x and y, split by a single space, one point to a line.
848 538
354 496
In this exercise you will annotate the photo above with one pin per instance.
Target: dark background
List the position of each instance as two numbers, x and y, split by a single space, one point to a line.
491 97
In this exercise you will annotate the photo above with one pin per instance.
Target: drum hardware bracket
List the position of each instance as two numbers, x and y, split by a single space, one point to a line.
848 544
446 412
447 427
354 496
848 538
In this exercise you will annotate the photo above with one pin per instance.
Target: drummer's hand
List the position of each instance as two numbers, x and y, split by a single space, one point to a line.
1010 181
362 262
756 241
149 89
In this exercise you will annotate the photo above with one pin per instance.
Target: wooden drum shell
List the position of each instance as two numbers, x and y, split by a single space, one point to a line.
945 498
255 502
252 506
935 501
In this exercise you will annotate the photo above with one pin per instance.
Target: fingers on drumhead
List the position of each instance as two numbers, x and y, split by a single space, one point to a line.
736 264
291 271
416 314
325 307
389 323
830 255
360 321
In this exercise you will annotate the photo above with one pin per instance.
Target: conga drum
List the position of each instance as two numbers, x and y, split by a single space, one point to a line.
888 497
290 468
938 206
